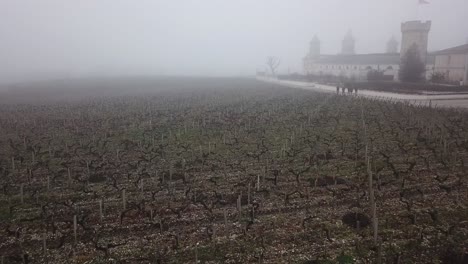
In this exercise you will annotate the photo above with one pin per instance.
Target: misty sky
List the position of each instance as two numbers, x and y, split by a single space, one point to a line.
43 39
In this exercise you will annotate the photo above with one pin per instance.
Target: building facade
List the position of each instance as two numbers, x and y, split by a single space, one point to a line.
453 64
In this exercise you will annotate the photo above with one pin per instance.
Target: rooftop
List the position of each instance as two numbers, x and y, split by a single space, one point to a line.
371 59
455 50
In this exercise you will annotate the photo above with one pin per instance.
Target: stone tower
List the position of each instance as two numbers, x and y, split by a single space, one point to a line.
314 49
415 32
348 43
392 45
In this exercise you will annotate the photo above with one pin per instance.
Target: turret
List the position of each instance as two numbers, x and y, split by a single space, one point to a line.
348 43
314 49
415 32
392 45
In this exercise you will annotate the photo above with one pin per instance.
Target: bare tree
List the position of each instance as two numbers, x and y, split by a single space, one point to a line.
273 63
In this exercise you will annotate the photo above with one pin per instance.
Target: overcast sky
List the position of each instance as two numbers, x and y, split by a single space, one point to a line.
42 39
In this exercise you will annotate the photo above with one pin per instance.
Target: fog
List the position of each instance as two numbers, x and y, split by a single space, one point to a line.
57 39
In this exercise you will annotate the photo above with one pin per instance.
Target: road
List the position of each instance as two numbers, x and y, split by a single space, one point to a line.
439 100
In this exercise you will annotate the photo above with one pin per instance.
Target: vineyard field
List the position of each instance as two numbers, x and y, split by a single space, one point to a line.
226 170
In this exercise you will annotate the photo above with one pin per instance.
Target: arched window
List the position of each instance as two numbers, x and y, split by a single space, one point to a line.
390 68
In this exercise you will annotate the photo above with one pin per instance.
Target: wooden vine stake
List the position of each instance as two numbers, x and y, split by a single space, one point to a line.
75 229
248 194
142 186
87 168
44 243
21 193
371 187
258 182
124 200
196 253
69 175
239 206
101 213
48 183
225 217
170 172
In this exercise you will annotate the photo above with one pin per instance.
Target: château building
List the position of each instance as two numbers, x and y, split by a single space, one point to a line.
356 66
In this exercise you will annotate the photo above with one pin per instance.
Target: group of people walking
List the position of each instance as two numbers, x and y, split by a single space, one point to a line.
343 88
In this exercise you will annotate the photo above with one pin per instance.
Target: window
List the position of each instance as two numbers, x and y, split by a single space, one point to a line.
368 68
449 60
389 68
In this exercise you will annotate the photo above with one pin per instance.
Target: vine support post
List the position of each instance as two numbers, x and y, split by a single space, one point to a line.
69 175
370 181
124 200
248 194
101 213
225 217
170 171
21 193
160 226
196 254
75 230
44 243
48 184
258 183
142 186
239 206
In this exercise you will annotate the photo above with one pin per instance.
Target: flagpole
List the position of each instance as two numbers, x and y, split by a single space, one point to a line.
420 3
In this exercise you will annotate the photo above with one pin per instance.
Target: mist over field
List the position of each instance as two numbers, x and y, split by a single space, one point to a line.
222 131
55 39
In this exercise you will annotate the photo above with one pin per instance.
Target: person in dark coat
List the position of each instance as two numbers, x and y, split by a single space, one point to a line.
337 89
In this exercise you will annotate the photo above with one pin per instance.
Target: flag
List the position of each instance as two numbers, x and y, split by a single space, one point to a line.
423 2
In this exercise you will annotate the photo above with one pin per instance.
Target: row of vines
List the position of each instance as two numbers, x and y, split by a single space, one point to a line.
233 172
